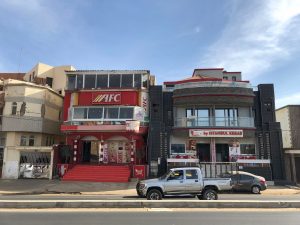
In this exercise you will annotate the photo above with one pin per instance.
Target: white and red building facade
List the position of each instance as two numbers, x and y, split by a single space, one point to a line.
106 116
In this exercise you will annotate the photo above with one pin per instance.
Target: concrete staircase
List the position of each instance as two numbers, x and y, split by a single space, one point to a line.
95 173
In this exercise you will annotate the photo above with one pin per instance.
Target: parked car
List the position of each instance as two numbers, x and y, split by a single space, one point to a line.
179 181
243 181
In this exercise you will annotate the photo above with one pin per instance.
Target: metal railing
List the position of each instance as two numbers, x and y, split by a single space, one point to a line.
214 122
113 122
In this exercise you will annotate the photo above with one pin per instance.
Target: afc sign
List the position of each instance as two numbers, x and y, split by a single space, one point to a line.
106 98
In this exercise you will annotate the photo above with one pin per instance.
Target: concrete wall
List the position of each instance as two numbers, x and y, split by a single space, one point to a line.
282 116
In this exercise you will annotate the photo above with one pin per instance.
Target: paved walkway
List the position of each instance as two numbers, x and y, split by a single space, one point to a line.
31 186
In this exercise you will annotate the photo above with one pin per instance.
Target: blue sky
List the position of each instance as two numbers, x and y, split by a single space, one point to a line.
169 37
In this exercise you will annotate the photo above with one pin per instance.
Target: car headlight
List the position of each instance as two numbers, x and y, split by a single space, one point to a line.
142 186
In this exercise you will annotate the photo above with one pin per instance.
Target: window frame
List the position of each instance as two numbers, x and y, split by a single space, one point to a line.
14 106
173 153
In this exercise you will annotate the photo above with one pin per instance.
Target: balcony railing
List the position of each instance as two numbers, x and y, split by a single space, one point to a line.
214 122
106 122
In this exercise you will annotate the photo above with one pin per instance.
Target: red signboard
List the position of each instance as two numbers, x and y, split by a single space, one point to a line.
106 98
139 171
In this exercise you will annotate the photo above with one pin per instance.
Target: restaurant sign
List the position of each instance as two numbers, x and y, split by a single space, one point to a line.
215 133
113 98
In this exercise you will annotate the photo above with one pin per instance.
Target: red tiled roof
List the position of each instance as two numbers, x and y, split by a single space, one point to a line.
16 76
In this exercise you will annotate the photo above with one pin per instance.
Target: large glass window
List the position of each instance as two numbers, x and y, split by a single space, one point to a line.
31 140
90 81
177 148
127 81
79 81
137 80
248 149
111 113
23 140
71 82
226 117
80 113
114 80
145 81
126 113
102 81
95 113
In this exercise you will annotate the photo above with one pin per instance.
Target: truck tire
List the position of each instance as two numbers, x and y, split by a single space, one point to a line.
154 194
200 197
210 194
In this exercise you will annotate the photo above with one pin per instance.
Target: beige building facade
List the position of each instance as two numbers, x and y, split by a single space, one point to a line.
30 126
53 76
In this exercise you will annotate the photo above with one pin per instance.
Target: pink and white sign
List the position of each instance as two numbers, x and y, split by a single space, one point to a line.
215 133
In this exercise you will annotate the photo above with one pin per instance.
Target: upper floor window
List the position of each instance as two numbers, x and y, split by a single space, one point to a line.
14 108
49 81
31 140
177 148
137 80
23 140
102 81
127 80
90 81
71 82
80 113
234 78
79 82
114 80
225 78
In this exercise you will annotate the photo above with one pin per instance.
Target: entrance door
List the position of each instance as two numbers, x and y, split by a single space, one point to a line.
1 160
297 165
203 151
222 151
86 154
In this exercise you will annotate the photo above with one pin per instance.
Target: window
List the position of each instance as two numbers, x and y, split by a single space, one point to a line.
225 78
14 108
191 174
114 80
234 78
226 117
79 81
126 113
71 82
80 113
126 81
145 81
137 80
90 81
31 140
248 149
268 106
23 140
177 148
102 81
49 81
176 175
111 113
95 113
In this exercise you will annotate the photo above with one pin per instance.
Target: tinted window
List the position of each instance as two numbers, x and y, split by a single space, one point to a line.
79 81
90 81
245 177
111 113
80 113
137 80
71 82
114 80
95 113
126 113
191 174
177 148
127 81
102 81
176 175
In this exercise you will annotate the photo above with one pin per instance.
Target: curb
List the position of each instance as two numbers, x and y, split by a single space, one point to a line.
42 204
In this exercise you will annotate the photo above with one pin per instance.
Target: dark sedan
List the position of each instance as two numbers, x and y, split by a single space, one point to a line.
243 181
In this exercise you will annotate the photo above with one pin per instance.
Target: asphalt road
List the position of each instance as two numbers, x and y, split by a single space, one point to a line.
149 217
119 197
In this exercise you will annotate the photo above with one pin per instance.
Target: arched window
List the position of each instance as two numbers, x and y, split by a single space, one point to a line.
14 108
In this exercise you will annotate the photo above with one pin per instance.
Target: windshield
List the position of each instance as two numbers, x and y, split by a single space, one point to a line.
165 175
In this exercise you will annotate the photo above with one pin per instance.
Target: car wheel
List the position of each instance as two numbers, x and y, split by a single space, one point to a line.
255 189
154 194
210 194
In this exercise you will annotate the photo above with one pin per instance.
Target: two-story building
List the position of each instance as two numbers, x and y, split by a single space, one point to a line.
211 117
106 117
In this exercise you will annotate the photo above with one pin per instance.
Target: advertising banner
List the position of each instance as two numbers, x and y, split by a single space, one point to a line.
215 133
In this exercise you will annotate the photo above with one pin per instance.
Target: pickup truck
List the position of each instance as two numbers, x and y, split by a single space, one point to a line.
179 181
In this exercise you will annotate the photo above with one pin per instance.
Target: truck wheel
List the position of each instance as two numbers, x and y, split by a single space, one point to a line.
200 197
154 194
255 189
210 194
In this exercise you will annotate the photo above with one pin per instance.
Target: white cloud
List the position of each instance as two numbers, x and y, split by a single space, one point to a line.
293 99
256 36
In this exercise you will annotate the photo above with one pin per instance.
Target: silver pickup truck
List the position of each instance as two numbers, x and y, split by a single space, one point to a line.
179 181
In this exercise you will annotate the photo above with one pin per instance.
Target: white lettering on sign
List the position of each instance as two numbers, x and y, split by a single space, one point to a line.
107 98
216 133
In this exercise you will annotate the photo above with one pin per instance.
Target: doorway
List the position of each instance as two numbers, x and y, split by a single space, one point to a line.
86 154
1 159
297 165
222 152
203 152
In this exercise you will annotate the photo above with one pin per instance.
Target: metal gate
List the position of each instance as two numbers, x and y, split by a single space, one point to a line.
35 165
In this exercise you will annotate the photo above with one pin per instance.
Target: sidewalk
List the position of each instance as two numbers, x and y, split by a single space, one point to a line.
24 186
